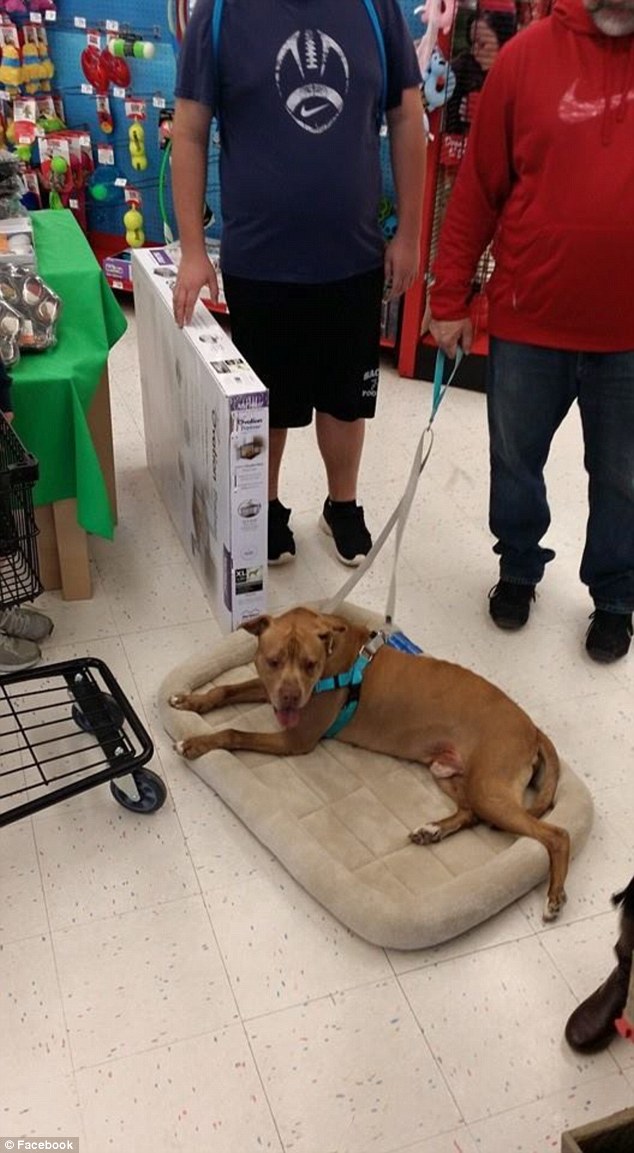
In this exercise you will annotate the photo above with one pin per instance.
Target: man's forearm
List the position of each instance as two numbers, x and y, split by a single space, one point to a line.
189 182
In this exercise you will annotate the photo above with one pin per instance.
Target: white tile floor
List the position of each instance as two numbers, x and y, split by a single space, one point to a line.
166 986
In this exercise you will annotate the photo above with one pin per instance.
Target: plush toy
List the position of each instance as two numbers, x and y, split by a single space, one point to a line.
437 16
439 81
133 224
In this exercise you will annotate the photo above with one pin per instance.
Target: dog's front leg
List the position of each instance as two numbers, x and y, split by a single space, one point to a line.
282 744
244 692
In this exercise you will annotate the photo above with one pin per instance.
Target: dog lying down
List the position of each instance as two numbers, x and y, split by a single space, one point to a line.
326 677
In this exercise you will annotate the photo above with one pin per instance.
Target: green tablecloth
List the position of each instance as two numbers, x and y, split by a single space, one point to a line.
53 390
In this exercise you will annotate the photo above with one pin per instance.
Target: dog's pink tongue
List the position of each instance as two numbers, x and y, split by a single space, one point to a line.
287 718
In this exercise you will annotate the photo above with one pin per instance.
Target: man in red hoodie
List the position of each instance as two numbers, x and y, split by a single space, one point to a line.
548 175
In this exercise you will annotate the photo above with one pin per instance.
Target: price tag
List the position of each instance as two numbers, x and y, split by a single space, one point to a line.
112 25
35 17
73 204
87 89
50 15
79 21
158 102
105 154
121 182
120 93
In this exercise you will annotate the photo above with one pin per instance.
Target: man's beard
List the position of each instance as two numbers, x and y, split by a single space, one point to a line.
612 20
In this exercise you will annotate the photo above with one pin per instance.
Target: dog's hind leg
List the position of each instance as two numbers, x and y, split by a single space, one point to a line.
504 812
437 830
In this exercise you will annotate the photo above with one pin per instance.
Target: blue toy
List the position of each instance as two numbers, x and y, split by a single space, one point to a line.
439 81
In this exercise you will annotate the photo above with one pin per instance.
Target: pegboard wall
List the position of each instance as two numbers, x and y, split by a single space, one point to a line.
152 85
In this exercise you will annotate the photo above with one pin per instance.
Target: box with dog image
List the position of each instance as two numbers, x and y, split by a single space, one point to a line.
205 414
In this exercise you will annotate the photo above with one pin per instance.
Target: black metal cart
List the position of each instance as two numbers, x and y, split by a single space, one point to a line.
64 727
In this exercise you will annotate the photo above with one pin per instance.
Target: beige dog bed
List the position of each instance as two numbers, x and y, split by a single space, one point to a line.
338 819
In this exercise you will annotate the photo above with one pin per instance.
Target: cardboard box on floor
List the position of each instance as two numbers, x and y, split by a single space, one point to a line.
206 431
613 1134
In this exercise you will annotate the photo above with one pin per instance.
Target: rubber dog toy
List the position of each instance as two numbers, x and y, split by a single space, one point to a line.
133 224
139 49
94 68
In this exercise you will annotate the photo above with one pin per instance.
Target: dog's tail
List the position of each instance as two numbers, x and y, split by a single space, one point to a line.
546 775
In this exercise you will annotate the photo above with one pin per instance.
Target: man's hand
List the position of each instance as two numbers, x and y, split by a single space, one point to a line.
448 334
401 266
193 274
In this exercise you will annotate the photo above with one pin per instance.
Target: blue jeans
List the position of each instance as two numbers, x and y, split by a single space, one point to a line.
529 391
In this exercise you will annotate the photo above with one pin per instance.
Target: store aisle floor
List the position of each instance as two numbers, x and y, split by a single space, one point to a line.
167 986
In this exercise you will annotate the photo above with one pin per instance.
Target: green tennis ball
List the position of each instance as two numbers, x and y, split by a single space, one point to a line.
143 50
59 166
24 152
99 191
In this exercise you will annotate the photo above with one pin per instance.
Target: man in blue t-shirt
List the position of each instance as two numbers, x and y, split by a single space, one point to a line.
298 87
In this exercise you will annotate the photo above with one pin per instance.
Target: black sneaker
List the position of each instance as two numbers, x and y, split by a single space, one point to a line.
608 638
343 520
281 539
510 604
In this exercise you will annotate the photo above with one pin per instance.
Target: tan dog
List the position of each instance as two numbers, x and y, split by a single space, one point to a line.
482 748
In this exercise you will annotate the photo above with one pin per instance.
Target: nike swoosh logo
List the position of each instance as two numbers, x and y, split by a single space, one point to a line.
306 113
574 111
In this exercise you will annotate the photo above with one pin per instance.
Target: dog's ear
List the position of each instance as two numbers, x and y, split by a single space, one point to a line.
329 641
328 636
258 625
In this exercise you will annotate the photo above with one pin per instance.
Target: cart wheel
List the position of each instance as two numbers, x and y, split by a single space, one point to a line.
113 710
152 792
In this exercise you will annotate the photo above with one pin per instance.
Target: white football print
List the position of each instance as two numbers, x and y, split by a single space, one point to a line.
312 77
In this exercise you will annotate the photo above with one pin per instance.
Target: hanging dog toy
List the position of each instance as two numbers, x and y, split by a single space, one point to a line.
136 139
133 224
139 49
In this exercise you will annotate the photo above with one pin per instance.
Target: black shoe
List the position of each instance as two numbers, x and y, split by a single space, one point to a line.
608 638
343 520
510 604
281 539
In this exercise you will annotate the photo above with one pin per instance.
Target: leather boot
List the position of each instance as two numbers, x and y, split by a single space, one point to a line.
592 1025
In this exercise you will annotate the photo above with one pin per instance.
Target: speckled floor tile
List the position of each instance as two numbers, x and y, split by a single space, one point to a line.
164 961
203 1093
351 1072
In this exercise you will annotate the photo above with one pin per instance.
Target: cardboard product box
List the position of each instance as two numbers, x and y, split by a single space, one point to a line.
206 429
16 243
613 1134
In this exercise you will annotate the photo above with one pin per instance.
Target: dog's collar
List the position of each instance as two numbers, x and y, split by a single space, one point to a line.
350 680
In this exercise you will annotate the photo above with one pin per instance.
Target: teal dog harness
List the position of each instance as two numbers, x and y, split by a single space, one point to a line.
353 678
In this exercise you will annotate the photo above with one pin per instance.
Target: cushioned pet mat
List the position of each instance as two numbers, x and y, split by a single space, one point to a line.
338 819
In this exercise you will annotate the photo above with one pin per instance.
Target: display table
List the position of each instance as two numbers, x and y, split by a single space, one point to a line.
61 400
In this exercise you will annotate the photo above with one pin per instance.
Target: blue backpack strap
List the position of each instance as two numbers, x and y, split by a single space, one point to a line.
216 22
380 43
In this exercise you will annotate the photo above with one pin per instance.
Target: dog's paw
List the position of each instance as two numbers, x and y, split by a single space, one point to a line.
426 835
553 907
191 748
179 700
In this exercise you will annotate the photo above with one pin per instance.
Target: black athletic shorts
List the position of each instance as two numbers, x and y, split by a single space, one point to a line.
314 346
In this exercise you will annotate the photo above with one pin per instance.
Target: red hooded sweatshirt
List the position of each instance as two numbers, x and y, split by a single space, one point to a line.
548 174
